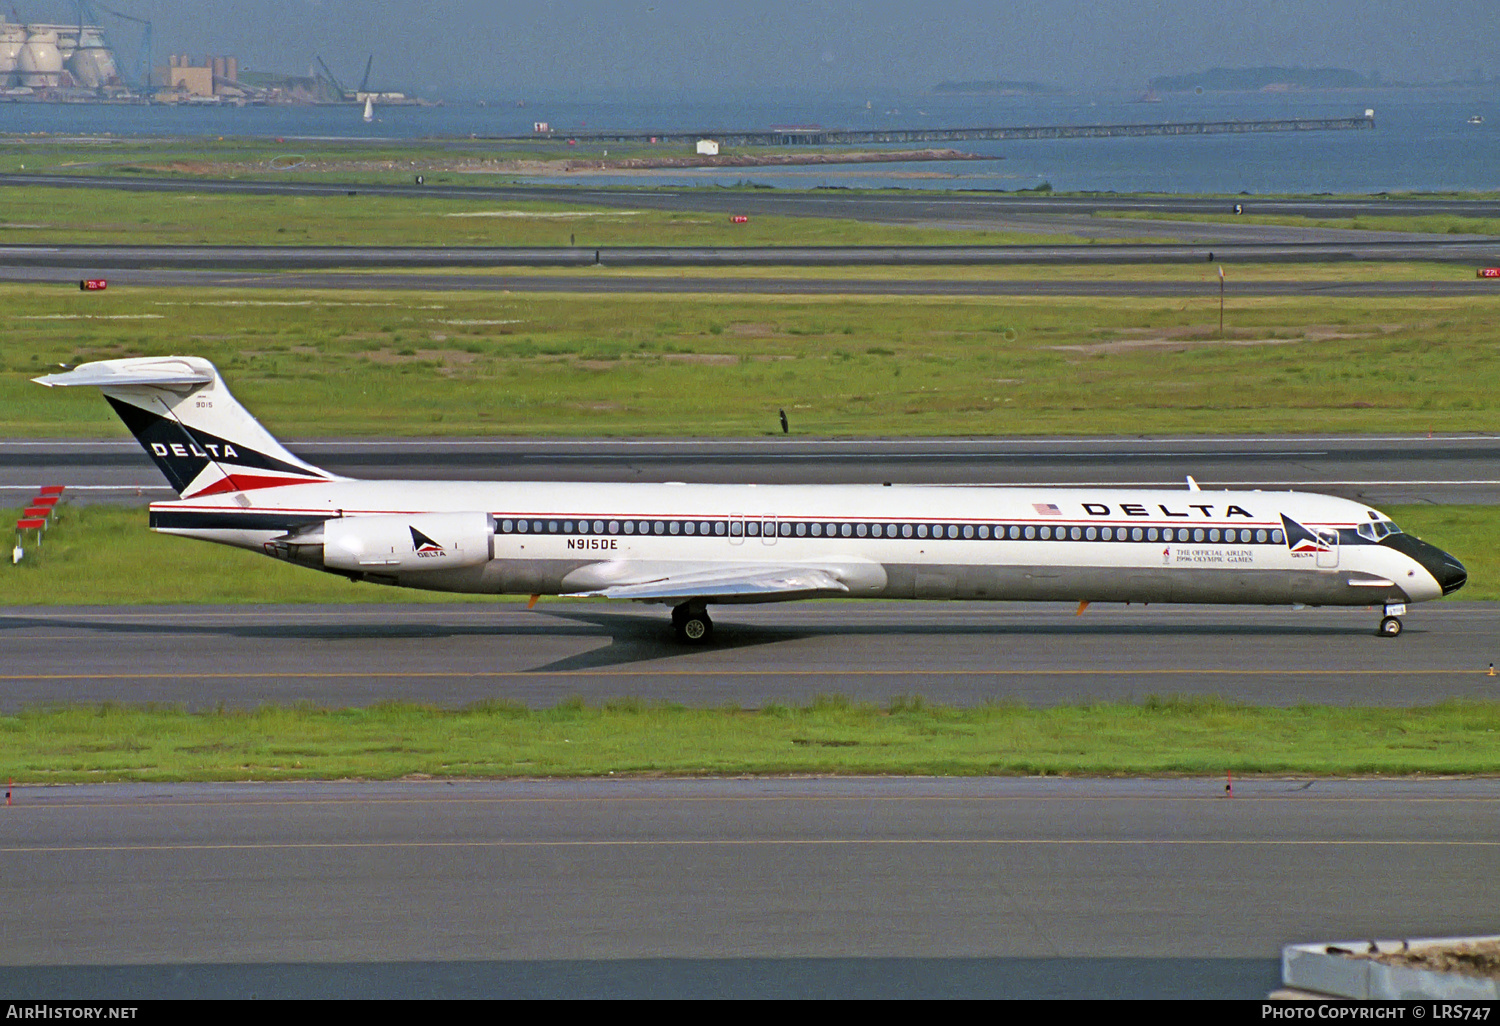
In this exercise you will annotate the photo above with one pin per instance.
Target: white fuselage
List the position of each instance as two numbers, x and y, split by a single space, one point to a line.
1128 545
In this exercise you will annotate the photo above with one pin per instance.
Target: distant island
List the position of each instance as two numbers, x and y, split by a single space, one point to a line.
996 87
1242 80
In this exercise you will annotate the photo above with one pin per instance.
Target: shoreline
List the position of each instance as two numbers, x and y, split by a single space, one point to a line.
769 160
566 165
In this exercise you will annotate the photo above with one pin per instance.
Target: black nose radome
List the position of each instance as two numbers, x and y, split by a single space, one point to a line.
1450 573
1447 571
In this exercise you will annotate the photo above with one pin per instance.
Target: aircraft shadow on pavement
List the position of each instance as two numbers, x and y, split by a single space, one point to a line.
638 639
635 638
632 638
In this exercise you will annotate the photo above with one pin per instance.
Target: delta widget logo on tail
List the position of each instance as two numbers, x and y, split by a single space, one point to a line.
199 463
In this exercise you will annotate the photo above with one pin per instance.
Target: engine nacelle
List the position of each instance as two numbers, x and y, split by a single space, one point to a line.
390 543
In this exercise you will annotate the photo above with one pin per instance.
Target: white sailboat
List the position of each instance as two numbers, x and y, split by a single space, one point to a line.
369 109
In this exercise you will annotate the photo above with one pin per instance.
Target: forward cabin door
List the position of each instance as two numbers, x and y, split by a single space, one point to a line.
1329 556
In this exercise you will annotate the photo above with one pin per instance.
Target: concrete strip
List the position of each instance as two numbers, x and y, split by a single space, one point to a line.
1334 969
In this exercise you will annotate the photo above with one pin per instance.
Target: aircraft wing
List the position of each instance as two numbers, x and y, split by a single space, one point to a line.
737 583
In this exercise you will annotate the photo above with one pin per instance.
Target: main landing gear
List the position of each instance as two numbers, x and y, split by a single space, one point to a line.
1390 624
690 621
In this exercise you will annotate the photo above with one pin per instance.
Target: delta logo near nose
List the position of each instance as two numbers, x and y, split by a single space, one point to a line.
1301 540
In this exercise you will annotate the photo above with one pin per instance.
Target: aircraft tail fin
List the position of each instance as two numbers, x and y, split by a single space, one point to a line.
198 434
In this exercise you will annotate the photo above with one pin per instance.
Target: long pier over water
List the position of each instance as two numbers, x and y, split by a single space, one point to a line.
812 136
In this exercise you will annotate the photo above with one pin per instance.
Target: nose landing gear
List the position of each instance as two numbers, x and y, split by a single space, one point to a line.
1390 624
690 621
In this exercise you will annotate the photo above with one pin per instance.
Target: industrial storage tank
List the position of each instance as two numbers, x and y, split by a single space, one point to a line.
12 39
41 62
93 64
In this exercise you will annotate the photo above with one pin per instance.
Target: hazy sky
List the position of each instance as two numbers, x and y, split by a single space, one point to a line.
557 48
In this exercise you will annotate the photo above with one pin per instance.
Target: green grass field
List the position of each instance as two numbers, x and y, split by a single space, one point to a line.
298 159
314 364
35 214
1197 272
94 555
832 736
1435 224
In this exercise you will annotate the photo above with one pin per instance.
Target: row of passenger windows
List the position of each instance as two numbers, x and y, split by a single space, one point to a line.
864 529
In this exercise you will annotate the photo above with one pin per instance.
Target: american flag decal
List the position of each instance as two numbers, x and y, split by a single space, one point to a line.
1046 509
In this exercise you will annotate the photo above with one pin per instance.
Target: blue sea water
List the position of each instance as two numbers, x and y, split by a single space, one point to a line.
1422 140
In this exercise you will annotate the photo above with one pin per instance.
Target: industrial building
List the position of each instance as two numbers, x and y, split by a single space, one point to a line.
213 77
75 63
42 57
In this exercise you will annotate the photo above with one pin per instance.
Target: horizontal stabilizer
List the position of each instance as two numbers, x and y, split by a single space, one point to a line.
167 373
785 582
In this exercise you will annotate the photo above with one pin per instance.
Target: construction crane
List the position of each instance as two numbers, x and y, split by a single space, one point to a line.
142 73
343 93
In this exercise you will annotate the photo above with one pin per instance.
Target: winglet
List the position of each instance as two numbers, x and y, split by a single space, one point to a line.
1192 484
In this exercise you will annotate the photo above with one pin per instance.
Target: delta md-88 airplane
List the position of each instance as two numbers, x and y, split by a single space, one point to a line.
692 546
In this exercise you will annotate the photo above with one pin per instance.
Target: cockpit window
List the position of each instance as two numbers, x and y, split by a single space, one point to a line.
1377 529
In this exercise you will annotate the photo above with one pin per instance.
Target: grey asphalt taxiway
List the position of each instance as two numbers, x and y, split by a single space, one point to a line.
911 206
1223 241
686 284
954 653
1379 469
1347 246
727 888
